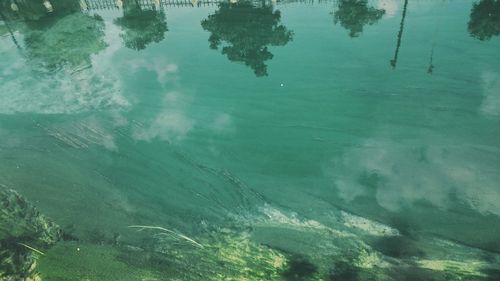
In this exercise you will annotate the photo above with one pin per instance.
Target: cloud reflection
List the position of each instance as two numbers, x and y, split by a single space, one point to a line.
401 175
170 124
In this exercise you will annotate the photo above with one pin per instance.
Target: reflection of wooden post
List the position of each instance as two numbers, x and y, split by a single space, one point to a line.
394 61
431 66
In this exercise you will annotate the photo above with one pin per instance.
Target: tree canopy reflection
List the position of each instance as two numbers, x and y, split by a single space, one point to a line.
484 20
55 37
69 41
353 15
141 27
247 30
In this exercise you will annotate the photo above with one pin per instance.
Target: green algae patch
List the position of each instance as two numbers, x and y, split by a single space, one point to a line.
464 268
77 261
247 260
225 256
24 234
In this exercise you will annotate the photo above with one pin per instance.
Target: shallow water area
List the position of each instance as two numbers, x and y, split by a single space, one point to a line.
249 140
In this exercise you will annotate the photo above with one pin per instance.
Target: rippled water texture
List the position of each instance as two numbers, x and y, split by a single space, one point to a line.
210 140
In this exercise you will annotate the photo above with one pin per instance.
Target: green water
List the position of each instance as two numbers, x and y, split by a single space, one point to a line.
333 140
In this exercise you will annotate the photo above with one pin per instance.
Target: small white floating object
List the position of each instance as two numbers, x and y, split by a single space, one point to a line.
281 85
194 2
48 6
119 3
78 249
233 1
14 7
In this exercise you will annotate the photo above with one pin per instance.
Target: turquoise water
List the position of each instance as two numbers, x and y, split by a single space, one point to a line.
332 140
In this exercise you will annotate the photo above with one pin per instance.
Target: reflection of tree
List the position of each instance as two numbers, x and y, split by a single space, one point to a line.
69 41
247 30
485 19
61 37
354 14
141 27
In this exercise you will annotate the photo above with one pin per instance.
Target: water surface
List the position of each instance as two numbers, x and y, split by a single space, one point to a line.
332 140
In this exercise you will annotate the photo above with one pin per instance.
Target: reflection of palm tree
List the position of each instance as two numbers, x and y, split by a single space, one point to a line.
430 69
353 15
141 27
248 30
485 19
394 61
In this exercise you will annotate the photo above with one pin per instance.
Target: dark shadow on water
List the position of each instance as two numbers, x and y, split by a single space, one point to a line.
299 269
484 20
398 247
343 271
492 274
414 273
244 31
353 15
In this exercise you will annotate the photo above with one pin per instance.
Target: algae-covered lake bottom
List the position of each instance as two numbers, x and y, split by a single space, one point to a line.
199 140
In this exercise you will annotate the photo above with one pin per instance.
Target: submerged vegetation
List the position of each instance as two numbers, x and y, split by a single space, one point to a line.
227 254
229 257
272 247
23 232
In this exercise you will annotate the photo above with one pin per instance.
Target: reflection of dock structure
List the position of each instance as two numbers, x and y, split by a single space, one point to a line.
96 5
100 5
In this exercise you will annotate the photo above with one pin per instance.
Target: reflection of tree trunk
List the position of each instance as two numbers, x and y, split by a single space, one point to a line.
394 61
10 31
